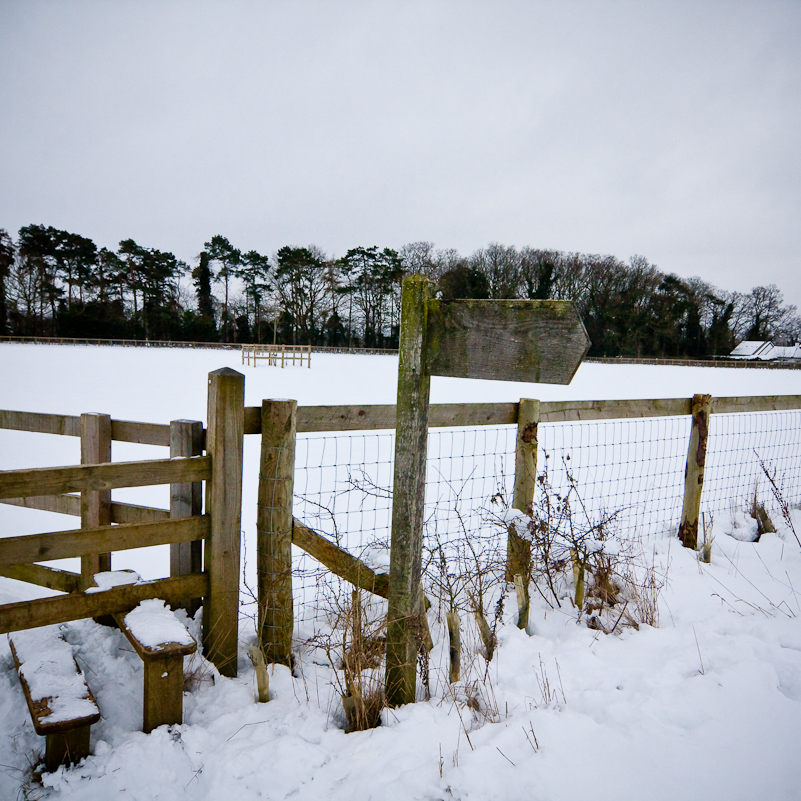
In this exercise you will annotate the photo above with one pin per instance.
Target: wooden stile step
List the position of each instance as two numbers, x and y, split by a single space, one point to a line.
161 641
61 704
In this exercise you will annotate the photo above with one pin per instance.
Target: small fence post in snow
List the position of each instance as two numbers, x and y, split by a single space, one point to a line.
518 553
224 441
186 500
694 472
274 529
95 505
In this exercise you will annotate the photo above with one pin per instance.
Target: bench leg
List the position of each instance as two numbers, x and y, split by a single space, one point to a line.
164 693
66 748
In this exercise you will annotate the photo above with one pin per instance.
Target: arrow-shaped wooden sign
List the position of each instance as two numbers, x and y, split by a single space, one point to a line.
541 341
508 340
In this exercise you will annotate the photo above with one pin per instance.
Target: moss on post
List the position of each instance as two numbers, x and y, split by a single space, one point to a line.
411 440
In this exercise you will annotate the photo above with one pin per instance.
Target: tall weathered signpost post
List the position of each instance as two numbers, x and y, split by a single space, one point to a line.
507 340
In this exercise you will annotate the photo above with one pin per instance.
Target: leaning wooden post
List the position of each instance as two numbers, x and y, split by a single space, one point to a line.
224 439
274 529
186 439
411 442
694 472
95 505
518 552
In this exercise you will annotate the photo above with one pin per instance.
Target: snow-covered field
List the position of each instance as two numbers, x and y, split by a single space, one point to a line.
704 705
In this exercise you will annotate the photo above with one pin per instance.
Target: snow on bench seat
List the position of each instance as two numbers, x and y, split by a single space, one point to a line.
61 705
161 641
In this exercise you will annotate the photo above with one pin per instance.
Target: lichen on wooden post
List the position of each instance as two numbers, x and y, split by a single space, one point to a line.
274 529
224 441
411 440
95 504
694 472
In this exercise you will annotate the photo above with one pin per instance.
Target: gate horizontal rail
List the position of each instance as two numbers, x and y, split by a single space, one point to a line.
63 608
31 548
93 477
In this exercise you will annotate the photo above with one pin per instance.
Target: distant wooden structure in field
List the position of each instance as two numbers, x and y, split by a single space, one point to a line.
276 355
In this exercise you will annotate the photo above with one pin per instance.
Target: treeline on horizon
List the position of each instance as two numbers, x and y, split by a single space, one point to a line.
56 283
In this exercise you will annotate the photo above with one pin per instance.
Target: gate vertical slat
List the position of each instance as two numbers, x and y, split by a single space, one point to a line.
224 443
186 500
95 505
274 529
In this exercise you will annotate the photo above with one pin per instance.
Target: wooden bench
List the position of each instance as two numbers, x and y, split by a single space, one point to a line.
62 707
162 642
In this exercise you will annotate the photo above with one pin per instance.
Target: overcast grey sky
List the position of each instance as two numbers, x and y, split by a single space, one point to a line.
667 129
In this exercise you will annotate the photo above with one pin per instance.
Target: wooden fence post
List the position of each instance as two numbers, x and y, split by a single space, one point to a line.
274 529
694 472
518 552
404 629
95 505
186 439
224 440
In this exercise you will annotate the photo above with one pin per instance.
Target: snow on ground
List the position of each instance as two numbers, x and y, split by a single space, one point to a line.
707 704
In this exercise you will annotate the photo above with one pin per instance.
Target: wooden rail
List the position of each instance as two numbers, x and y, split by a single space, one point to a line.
31 548
338 560
777 364
55 480
63 608
164 343
71 505
70 425
443 415
43 576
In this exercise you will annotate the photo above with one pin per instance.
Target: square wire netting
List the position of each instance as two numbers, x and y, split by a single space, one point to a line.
343 489
733 475
635 468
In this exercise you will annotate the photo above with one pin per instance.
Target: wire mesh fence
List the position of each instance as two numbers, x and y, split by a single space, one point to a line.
739 444
634 468
343 489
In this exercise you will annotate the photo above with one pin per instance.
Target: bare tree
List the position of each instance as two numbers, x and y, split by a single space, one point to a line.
420 257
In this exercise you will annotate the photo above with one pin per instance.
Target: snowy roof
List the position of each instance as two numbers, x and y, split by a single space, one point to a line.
787 352
752 349
766 351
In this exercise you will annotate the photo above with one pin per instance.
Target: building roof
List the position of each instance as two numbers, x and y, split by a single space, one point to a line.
753 349
765 351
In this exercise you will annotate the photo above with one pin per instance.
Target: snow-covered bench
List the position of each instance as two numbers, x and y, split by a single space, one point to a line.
61 704
162 641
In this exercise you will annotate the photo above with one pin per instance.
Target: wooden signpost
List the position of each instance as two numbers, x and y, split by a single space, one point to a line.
506 340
